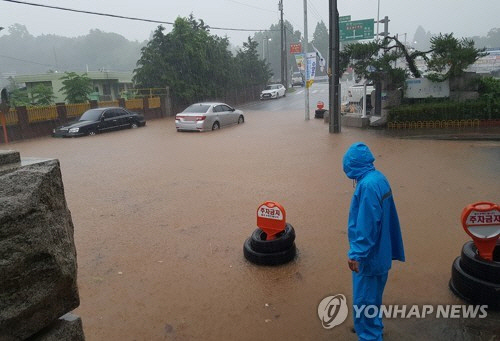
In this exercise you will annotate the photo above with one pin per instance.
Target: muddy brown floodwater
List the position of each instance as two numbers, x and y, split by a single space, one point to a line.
160 219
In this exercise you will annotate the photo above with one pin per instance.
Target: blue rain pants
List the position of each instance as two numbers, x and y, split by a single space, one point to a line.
368 290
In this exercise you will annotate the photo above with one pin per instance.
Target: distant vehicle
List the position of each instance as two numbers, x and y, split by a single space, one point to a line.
273 91
355 93
297 79
355 98
208 116
101 120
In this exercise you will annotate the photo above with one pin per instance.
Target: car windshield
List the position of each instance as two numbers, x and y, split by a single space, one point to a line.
91 115
297 74
272 87
197 108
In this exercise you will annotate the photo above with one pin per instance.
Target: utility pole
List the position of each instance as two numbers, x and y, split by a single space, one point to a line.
378 16
333 69
305 60
283 70
378 84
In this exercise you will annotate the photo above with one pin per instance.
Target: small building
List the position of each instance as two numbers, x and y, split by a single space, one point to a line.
108 85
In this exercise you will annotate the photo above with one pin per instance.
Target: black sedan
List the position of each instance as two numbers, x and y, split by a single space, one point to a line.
100 120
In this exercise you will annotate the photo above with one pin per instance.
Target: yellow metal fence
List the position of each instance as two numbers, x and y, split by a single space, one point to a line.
105 104
433 124
11 117
136 103
37 114
75 110
154 102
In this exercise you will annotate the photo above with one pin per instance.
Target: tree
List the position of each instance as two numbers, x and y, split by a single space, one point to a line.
76 88
28 54
271 49
42 95
18 96
421 39
376 60
451 56
321 40
193 63
252 70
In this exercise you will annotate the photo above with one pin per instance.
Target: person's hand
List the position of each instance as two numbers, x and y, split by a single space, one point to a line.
353 265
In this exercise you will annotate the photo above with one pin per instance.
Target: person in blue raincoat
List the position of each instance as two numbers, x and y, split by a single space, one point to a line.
374 237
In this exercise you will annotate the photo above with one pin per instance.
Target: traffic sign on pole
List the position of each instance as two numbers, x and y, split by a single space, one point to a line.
356 30
345 18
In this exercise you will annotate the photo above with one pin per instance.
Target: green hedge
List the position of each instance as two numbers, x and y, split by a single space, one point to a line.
481 109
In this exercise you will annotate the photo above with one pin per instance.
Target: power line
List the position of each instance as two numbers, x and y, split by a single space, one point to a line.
128 18
259 8
315 11
25 61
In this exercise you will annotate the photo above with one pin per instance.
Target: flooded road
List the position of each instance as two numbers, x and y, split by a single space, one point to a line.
160 219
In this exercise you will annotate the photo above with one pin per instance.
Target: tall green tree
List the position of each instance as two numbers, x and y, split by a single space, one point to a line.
450 56
77 88
195 64
42 95
321 38
252 70
321 42
269 46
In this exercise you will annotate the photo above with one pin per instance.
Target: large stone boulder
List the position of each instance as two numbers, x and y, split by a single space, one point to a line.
66 328
37 251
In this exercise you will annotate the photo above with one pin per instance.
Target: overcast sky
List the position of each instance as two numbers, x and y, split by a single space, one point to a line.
464 18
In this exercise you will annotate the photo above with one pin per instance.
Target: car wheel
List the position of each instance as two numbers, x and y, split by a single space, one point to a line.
282 242
275 258
92 132
134 125
478 267
472 289
216 126
241 119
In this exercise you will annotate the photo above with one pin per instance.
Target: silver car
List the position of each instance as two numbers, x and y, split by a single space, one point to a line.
208 116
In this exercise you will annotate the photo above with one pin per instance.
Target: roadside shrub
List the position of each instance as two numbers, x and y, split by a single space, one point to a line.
482 109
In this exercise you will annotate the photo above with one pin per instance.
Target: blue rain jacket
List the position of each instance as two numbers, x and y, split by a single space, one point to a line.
373 227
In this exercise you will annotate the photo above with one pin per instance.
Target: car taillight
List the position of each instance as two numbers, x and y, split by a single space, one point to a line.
200 118
178 117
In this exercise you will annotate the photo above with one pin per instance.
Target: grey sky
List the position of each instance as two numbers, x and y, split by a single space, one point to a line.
463 18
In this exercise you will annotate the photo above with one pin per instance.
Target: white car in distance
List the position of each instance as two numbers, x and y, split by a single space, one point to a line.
273 91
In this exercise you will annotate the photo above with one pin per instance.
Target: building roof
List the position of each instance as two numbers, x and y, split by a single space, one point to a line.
121 77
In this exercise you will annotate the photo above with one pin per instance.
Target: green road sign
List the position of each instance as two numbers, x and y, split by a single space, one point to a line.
344 18
356 30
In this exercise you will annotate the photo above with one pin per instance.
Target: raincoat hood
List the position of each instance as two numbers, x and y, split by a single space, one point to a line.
358 160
